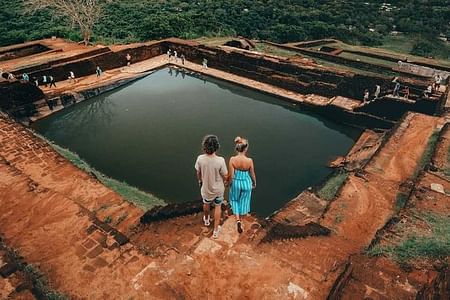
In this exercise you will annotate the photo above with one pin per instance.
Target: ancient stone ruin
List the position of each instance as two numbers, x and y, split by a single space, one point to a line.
63 232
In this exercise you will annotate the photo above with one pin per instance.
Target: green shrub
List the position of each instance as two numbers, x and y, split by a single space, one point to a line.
329 190
435 245
428 153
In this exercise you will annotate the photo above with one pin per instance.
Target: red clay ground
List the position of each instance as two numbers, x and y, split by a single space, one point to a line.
46 214
61 49
51 212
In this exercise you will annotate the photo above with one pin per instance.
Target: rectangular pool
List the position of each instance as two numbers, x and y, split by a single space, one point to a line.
149 134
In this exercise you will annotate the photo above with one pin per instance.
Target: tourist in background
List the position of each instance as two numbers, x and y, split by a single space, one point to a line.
437 82
205 63
429 90
242 180
175 55
366 96
128 57
377 91
211 174
406 92
52 81
25 77
71 76
396 89
169 54
183 58
98 71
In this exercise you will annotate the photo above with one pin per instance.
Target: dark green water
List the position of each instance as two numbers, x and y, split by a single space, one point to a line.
148 134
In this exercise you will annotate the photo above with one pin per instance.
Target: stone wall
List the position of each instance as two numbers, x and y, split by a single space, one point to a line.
48 66
22 51
17 98
107 60
277 71
287 74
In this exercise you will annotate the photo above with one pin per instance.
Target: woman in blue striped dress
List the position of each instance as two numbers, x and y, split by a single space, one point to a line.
243 180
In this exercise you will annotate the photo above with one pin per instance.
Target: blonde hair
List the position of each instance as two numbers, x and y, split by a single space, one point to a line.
241 144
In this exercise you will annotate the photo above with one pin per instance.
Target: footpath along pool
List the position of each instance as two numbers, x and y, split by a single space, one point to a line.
149 134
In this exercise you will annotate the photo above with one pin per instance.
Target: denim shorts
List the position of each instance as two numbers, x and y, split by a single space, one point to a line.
216 201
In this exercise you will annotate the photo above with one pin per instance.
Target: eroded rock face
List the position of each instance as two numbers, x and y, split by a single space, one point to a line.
17 98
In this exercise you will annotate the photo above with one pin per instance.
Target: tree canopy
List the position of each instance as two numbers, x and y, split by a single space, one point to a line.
352 21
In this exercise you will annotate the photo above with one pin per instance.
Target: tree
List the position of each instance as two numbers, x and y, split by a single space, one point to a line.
83 13
423 47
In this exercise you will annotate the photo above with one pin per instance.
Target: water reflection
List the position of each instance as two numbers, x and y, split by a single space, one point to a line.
148 134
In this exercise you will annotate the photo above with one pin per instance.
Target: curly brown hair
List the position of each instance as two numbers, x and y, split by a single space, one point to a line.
210 144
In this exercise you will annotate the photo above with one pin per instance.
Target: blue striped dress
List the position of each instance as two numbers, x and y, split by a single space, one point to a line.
241 192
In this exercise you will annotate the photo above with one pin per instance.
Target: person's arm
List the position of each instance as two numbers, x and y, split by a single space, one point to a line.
252 174
199 178
199 172
230 171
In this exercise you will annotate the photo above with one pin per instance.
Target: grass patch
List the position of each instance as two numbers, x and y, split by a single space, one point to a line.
447 167
40 284
400 200
428 153
404 44
338 219
108 220
329 190
272 50
121 218
132 194
435 245
368 59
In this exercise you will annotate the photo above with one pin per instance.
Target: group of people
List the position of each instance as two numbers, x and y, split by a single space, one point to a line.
6 75
174 55
405 92
434 87
213 176
376 94
437 82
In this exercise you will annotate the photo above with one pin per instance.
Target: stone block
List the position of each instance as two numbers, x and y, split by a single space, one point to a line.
103 226
8 269
80 251
91 229
100 262
121 239
89 244
95 252
100 238
89 268
207 246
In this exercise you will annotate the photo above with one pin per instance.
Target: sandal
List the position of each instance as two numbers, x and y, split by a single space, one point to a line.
216 233
206 221
239 226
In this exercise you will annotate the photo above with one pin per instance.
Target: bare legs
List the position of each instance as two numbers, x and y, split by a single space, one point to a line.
206 210
238 223
217 216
